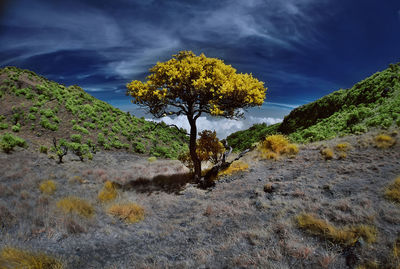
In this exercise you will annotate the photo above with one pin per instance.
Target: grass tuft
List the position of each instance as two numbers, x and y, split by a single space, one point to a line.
345 236
327 154
235 167
342 147
48 187
108 193
17 258
128 212
384 141
72 204
393 191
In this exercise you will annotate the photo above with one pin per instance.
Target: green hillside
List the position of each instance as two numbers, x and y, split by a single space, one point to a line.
373 102
39 110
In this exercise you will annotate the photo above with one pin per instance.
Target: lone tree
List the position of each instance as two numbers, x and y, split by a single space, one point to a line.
193 85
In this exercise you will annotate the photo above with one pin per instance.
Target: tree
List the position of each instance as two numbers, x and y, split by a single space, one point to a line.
193 85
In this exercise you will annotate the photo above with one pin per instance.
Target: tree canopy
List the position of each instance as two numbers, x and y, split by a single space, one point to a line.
194 85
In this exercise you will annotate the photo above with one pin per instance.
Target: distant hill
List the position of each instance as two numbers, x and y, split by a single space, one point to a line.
39 110
373 102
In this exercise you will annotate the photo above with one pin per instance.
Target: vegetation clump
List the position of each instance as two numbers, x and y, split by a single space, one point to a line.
235 167
48 187
16 258
108 193
327 153
72 204
393 191
9 141
275 145
384 141
128 212
344 236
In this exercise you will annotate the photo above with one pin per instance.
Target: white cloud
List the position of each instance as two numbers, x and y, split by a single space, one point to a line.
222 126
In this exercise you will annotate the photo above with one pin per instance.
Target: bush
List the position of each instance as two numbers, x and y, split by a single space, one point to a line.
17 258
3 125
8 142
275 145
43 149
393 191
48 187
342 147
78 128
128 212
72 204
327 153
346 236
384 141
16 128
76 138
152 159
108 192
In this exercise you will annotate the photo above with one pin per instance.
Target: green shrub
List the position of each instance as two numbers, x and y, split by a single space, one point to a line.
76 138
31 117
16 128
43 149
3 125
80 129
8 142
138 147
45 123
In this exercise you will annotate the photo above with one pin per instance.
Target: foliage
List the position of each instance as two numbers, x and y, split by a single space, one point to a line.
128 212
16 128
345 236
60 149
373 102
152 159
48 187
9 141
16 258
43 149
72 204
191 85
393 191
80 150
209 148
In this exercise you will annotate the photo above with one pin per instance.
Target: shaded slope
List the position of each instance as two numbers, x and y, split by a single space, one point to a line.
373 102
39 110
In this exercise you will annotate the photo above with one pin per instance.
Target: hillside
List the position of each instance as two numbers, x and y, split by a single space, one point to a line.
39 110
371 103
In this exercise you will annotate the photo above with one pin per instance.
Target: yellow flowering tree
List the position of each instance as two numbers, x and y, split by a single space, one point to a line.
193 85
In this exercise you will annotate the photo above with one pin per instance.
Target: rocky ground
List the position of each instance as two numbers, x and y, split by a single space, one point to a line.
236 224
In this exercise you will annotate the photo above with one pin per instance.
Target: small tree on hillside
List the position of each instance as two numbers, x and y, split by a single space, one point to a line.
193 85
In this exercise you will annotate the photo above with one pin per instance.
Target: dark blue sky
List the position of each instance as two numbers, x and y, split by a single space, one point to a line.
301 49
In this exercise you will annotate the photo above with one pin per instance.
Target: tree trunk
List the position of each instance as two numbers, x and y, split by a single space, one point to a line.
192 149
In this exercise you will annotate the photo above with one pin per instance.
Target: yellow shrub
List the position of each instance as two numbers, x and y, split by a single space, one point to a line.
72 204
16 258
235 167
345 236
108 192
327 153
152 159
291 149
343 146
342 155
128 212
274 145
384 141
48 187
393 191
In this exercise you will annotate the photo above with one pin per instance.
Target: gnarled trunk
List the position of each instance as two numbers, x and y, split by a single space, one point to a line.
192 149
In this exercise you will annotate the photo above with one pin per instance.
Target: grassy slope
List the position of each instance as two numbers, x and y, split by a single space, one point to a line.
373 102
43 109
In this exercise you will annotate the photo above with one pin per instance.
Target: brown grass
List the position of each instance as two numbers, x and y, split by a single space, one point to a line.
72 204
17 258
342 146
344 236
128 212
48 187
275 145
393 191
